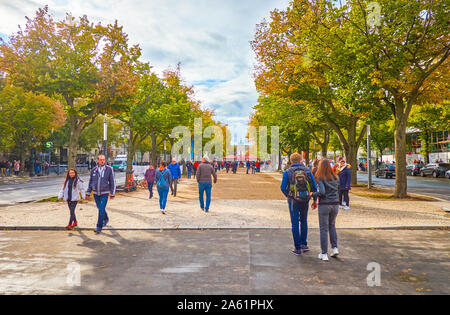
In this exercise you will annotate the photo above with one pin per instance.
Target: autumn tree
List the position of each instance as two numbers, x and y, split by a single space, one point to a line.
404 47
89 67
26 118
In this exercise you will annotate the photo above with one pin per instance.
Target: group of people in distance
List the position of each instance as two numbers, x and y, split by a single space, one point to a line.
102 186
328 185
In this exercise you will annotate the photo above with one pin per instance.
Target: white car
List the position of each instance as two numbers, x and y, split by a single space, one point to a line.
447 174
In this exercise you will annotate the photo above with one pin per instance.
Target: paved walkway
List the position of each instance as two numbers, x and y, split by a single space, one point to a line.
220 262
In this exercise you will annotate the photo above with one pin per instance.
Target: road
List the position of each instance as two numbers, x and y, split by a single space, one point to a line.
434 187
34 189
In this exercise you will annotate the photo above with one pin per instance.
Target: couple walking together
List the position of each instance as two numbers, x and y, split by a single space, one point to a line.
299 185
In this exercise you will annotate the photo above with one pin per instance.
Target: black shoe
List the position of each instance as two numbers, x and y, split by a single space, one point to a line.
296 252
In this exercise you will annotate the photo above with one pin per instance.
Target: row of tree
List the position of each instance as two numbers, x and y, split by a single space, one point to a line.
332 68
62 77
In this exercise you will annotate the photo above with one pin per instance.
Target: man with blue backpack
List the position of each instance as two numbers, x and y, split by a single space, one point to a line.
297 184
163 178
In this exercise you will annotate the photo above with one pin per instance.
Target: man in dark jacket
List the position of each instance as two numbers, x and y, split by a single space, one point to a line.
345 179
102 184
298 210
204 173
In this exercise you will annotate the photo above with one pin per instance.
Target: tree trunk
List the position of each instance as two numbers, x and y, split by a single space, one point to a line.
131 151
324 144
72 152
400 157
153 158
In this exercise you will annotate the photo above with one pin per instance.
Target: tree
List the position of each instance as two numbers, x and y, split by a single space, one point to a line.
303 55
26 118
406 55
89 67
429 118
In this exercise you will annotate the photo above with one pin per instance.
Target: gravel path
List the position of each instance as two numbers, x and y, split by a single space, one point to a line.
246 201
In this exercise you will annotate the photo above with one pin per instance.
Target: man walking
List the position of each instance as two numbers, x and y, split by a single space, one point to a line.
297 185
204 173
103 185
189 167
174 169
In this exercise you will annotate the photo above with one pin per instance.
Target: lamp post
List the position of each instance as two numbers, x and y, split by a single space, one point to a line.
105 139
369 159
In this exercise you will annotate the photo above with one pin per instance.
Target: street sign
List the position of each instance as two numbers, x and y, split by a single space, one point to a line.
49 145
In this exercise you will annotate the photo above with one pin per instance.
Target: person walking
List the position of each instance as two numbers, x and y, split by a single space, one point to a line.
315 166
345 179
247 164
234 167
72 191
297 184
102 185
205 173
163 179
328 194
174 169
196 164
189 168
150 178
16 168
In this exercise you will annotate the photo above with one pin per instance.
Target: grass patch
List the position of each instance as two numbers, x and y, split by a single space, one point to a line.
386 194
51 199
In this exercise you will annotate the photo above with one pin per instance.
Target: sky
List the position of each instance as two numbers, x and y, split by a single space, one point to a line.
209 37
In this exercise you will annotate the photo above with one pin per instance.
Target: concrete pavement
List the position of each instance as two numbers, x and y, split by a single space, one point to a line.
221 262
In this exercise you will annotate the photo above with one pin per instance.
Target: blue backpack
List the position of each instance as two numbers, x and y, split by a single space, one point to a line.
161 183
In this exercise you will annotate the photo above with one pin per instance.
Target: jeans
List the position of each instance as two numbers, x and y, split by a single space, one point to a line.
101 202
72 205
173 186
150 188
163 193
343 194
204 187
327 223
299 214
247 169
189 174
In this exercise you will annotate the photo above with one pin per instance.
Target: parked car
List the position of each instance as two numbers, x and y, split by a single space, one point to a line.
447 174
386 171
435 169
413 169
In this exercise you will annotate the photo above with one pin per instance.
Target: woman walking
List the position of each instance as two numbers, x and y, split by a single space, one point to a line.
328 185
72 192
150 178
163 178
345 178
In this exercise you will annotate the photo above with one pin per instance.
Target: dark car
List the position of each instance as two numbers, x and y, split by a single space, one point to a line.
435 169
386 170
413 169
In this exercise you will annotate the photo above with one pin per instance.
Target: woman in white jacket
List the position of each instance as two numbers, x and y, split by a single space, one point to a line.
72 192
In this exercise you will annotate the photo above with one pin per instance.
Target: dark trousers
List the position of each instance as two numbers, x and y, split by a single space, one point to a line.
150 188
343 194
72 205
173 186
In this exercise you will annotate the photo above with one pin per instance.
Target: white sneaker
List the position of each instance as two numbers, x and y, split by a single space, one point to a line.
347 208
334 252
323 257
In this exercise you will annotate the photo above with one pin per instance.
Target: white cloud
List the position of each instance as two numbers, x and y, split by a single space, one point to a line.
209 37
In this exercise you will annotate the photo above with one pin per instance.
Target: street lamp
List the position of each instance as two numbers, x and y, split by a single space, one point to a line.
105 138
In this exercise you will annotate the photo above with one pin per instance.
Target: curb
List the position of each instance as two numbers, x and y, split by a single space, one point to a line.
188 228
